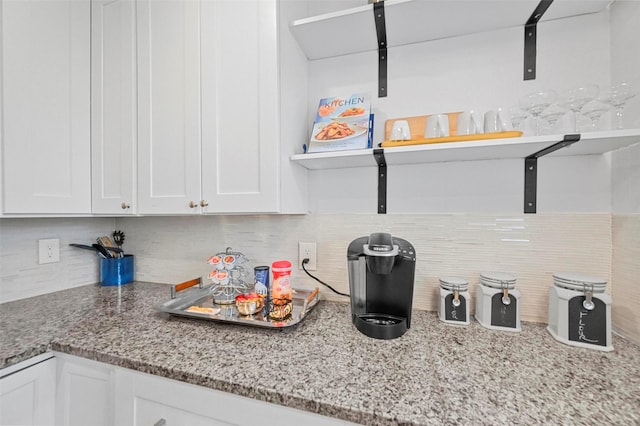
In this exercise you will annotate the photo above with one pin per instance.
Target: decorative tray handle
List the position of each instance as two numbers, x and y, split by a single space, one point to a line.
308 300
185 285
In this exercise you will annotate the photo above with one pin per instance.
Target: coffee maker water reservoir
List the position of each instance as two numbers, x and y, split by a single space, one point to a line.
381 276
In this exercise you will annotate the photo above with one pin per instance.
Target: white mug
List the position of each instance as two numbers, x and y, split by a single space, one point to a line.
400 131
497 121
437 126
469 123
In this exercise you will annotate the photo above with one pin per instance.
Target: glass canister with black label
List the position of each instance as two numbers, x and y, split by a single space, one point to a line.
580 311
454 300
498 301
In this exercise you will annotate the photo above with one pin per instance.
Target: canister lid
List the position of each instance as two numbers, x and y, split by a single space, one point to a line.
497 280
454 283
579 281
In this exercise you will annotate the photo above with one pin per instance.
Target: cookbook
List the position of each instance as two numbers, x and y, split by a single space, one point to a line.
342 123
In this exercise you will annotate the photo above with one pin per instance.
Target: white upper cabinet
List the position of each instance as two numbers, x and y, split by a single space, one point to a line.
240 170
113 106
45 106
209 108
169 118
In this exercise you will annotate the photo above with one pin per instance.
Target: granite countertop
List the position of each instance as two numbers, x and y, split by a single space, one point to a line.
435 374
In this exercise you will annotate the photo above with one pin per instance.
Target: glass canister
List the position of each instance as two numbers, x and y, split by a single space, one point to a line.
281 290
454 300
498 301
580 311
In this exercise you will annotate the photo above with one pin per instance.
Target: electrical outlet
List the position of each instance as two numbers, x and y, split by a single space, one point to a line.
48 251
307 251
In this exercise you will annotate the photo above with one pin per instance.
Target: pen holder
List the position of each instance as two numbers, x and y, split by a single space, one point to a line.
117 271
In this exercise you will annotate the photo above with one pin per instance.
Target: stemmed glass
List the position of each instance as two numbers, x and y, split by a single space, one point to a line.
552 114
618 96
518 116
537 102
576 98
594 110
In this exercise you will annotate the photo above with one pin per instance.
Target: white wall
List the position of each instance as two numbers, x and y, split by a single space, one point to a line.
625 65
625 175
481 72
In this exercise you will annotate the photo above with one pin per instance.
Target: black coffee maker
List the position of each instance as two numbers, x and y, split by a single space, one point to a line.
381 274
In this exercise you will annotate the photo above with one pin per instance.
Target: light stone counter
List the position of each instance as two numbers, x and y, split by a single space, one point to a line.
434 374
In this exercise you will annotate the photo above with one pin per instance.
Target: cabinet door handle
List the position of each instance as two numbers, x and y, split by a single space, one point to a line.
160 422
204 203
125 205
193 204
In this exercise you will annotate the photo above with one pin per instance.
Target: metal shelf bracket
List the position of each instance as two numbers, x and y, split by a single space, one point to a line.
378 154
530 37
381 31
531 171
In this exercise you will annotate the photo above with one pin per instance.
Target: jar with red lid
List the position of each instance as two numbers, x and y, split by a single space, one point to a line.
281 290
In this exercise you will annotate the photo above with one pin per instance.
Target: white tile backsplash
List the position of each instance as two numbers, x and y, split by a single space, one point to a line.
20 274
531 247
174 249
625 312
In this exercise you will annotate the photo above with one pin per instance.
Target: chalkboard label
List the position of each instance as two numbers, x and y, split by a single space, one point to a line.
455 313
586 326
503 315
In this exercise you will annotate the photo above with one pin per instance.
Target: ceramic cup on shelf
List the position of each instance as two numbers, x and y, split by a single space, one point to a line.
437 126
497 121
469 123
400 131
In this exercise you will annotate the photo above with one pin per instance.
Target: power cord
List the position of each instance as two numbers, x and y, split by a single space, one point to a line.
304 262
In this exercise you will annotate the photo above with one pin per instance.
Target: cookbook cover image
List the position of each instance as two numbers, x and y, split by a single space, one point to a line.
342 123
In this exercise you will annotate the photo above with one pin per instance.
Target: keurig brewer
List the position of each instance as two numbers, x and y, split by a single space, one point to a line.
381 273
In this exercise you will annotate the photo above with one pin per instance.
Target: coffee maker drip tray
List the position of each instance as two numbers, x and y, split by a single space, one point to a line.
381 326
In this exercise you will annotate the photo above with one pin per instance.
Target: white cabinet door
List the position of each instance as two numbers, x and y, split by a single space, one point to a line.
145 400
27 396
84 392
240 106
168 106
113 106
45 106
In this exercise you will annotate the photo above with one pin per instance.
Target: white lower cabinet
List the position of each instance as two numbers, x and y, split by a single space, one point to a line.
147 400
93 393
84 392
27 392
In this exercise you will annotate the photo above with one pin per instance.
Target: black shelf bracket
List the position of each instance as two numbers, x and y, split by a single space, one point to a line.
381 31
531 171
378 154
530 37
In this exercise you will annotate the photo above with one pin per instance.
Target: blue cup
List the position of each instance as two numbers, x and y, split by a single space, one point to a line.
117 271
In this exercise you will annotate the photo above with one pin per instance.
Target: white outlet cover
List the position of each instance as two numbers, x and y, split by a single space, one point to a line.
307 250
48 251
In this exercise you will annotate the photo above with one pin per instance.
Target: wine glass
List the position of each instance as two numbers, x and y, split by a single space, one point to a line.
618 96
594 110
518 116
576 98
537 102
552 114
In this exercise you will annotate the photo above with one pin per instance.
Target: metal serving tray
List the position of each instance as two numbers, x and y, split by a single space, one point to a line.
202 299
